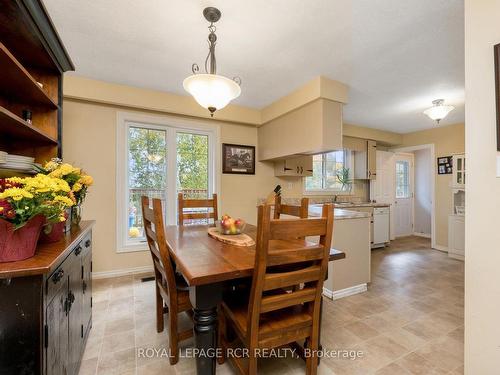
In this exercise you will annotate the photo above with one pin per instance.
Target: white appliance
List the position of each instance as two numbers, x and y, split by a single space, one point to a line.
381 226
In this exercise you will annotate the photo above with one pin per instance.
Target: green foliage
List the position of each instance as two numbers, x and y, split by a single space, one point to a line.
192 161
147 160
343 176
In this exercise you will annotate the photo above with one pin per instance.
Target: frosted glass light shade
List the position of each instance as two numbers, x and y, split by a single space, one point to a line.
212 91
439 112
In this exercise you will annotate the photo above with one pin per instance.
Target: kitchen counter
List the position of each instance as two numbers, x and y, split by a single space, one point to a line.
361 204
339 213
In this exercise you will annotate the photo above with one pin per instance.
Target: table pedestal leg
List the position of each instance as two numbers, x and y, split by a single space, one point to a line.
205 299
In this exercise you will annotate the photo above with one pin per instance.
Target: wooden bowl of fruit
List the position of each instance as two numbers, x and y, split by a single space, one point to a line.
229 225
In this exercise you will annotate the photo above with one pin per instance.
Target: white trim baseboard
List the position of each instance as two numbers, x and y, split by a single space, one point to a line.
122 272
456 256
440 248
425 235
345 292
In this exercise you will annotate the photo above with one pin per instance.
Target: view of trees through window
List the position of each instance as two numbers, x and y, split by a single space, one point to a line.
325 169
147 169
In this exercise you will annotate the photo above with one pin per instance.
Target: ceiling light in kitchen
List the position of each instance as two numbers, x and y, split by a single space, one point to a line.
210 90
438 111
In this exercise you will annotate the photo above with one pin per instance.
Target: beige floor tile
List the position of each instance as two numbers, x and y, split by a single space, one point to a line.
118 342
160 367
405 338
417 365
414 304
118 326
362 330
119 362
392 369
88 366
440 356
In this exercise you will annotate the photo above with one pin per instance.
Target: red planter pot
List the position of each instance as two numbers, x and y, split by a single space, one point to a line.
21 243
52 232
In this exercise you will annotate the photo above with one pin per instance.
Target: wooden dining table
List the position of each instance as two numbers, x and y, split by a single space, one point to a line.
208 265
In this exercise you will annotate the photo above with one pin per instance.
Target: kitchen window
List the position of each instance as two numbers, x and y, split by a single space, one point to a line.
159 160
326 168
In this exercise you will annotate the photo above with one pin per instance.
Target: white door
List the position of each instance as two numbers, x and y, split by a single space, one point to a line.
404 195
382 189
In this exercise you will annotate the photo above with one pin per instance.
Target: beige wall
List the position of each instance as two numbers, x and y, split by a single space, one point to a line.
89 139
482 227
447 140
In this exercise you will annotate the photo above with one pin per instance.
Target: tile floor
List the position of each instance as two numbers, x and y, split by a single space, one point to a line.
409 322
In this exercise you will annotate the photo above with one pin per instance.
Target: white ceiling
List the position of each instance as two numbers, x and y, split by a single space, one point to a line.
397 56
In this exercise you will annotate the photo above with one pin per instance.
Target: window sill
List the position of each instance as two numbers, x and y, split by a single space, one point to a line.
325 192
133 247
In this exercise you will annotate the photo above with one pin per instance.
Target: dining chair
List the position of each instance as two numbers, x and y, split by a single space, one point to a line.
301 211
172 293
192 205
271 317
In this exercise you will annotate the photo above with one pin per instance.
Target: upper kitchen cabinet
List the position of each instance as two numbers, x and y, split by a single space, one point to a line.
301 166
313 128
365 161
458 181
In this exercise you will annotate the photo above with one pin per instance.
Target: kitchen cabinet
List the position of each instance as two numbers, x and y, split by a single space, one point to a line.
365 162
456 236
458 181
297 167
46 310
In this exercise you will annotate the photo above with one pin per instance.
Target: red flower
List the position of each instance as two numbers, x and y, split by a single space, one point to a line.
4 184
6 210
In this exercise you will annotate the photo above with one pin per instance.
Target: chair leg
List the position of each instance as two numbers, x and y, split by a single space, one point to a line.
173 338
221 339
312 358
252 362
159 311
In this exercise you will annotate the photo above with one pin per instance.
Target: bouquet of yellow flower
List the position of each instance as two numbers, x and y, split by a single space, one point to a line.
27 204
76 178
24 198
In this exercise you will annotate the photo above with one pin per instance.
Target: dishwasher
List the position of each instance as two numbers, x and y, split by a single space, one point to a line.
380 226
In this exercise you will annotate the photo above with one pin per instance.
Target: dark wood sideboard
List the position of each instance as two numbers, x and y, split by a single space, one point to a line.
46 307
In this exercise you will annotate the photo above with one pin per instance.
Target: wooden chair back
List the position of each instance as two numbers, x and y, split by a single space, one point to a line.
311 266
154 230
301 211
193 204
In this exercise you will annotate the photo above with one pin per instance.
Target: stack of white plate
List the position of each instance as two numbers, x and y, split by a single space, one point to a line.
18 162
3 157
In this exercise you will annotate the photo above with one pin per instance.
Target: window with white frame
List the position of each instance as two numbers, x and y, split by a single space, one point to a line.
159 161
327 168
402 179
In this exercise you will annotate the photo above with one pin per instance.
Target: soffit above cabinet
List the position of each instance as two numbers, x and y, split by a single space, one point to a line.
314 128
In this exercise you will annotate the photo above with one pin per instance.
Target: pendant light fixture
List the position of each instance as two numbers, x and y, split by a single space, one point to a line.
210 90
438 111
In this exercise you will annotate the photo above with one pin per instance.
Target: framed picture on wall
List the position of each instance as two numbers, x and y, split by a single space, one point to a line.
238 159
497 91
445 165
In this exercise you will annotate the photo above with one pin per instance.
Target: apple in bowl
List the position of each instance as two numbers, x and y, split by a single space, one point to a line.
229 225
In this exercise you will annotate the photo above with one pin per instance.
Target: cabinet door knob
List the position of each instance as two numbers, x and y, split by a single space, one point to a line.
78 250
297 169
87 243
57 276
